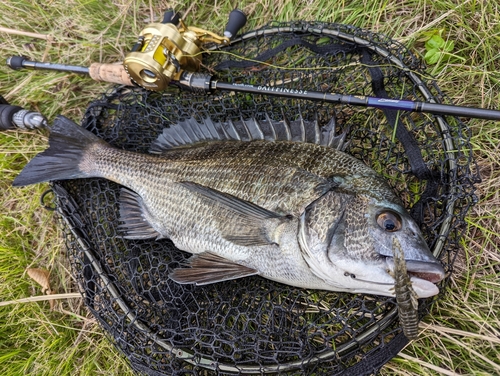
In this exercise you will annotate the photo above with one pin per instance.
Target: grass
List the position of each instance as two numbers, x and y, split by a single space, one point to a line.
460 337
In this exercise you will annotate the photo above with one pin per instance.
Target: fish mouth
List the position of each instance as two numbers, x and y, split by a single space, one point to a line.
423 275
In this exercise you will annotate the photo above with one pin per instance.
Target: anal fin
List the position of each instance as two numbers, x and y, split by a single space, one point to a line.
134 216
207 267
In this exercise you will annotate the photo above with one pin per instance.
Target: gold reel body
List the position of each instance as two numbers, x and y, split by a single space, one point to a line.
164 52
165 49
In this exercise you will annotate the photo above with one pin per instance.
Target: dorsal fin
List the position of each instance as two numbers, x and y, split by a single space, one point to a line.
327 136
190 131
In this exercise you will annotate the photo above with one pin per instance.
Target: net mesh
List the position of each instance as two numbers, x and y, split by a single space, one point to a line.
253 325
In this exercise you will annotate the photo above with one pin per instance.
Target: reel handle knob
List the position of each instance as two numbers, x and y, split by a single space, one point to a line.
6 114
237 19
171 16
13 117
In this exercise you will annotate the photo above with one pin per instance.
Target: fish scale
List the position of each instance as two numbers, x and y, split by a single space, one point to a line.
356 229
228 168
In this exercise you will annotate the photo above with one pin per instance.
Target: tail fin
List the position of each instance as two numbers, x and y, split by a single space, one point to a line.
68 143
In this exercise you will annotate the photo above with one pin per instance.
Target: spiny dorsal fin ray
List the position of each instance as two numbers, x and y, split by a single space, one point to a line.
270 134
231 132
254 129
327 136
287 135
190 131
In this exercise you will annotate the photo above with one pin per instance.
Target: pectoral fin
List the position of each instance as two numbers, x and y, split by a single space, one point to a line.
246 224
207 267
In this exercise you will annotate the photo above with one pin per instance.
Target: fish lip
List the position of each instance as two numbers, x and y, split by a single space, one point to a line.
429 271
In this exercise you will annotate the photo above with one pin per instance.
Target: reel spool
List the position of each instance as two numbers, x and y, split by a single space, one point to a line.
165 49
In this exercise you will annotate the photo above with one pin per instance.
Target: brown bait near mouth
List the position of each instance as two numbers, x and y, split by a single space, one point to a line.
406 297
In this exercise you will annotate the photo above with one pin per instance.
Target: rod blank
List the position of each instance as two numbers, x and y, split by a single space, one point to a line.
380 103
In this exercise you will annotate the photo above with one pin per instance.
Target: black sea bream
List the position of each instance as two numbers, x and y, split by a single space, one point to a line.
245 198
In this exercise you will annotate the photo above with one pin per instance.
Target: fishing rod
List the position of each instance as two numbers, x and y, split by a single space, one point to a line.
169 53
191 81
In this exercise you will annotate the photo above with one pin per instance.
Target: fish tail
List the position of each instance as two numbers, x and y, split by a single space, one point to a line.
68 150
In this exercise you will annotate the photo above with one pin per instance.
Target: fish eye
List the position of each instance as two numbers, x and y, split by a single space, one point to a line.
389 221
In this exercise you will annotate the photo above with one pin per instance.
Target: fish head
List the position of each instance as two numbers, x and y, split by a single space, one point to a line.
347 240
388 220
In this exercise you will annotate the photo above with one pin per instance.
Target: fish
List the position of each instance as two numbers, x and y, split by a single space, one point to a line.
277 199
406 297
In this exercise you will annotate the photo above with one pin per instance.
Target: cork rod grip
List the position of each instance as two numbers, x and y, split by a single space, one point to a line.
114 73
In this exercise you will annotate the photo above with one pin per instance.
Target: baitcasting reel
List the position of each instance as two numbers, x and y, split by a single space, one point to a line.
165 49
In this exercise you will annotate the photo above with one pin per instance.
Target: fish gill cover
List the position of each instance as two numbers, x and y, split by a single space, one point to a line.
253 325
